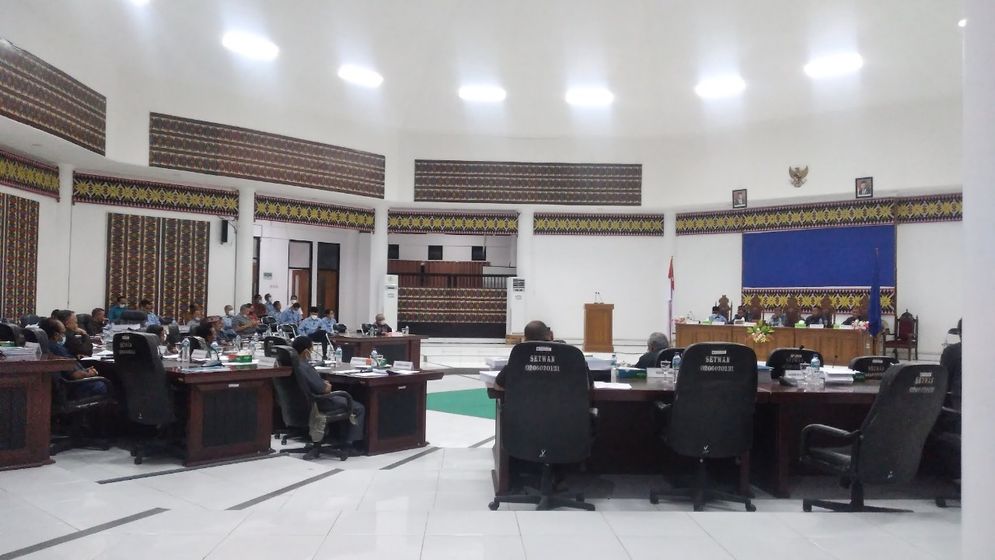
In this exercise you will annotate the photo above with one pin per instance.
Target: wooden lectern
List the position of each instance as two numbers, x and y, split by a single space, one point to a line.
598 327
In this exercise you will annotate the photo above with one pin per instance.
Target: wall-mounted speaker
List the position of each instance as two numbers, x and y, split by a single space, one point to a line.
224 231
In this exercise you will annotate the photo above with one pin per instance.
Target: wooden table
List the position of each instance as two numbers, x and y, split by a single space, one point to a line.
25 410
229 414
627 441
837 346
395 407
404 347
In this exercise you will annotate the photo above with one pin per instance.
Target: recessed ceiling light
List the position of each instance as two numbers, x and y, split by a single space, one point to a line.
719 87
250 45
360 76
962 23
482 94
140 2
589 96
834 65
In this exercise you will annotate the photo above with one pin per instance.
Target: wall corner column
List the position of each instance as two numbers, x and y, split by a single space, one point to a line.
244 246
523 259
55 247
378 262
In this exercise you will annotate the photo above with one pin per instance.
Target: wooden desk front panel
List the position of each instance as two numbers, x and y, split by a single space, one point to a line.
837 346
692 334
598 335
25 407
228 420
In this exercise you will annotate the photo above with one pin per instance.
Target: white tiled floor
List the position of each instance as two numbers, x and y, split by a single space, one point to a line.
433 507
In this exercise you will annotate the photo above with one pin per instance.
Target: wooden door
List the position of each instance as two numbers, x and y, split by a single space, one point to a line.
328 291
300 285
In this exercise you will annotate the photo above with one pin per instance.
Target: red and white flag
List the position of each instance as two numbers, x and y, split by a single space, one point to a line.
670 275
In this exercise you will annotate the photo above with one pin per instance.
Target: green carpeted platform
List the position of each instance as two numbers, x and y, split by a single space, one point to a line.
469 402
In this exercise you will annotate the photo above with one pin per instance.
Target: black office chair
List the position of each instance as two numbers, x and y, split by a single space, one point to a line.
173 335
887 447
38 336
85 322
712 415
198 343
270 342
872 366
666 355
290 329
29 319
269 322
133 317
300 405
782 359
13 333
341 328
79 344
545 416
151 400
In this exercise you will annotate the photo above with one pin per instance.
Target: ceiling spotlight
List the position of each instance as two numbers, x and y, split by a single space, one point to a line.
589 97
482 94
140 2
722 86
250 45
962 23
834 65
360 76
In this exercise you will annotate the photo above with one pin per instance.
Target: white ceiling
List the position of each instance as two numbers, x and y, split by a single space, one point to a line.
649 53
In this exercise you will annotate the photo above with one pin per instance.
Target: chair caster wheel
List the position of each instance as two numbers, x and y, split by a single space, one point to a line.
493 506
654 499
343 455
579 497
806 507
699 507
134 453
283 441
138 460
751 507
940 502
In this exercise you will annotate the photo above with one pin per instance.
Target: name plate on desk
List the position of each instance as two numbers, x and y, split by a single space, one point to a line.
267 362
403 366
356 361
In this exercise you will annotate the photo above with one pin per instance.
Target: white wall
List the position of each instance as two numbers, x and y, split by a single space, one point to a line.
630 272
414 246
931 264
274 246
705 267
88 261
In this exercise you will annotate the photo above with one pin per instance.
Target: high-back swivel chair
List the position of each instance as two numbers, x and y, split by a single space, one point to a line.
712 414
545 416
887 447
782 359
148 393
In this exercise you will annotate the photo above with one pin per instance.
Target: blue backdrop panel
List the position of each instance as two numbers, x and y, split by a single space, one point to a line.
818 257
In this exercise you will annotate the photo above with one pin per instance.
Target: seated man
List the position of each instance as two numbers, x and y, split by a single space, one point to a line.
779 318
535 331
817 317
312 323
207 331
56 333
717 316
68 319
98 319
258 307
657 341
194 315
277 310
743 313
164 346
151 318
380 326
951 359
268 302
319 386
292 315
244 324
328 322
858 315
227 322
120 307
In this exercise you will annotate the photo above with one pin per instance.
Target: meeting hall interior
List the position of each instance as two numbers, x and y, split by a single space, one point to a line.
547 279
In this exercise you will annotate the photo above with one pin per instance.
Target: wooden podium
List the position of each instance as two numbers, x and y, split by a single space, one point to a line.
598 327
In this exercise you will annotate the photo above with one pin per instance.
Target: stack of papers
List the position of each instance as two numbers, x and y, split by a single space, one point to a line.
488 376
836 375
598 364
496 363
607 385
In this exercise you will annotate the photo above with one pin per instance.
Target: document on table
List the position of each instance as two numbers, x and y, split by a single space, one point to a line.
368 374
404 371
607 385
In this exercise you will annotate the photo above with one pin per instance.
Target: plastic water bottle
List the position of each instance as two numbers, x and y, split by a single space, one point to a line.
185 351
238 343
216 349
814 377
675 363
614 378
338 355
375 358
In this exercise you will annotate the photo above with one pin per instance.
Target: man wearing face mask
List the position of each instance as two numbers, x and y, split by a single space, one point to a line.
56 333
120 307
311 324
268 302
319 386
291 316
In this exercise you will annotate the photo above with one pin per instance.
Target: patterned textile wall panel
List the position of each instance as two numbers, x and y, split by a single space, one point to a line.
29 175
843 300
162 259
18 255
38 94
451 305
547 223
454 222
218 149
114 191
534 183
314 213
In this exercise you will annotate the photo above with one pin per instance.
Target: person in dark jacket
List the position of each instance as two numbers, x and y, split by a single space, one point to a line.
318 386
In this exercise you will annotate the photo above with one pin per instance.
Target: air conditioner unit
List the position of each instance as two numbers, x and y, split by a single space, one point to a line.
390 294
515 311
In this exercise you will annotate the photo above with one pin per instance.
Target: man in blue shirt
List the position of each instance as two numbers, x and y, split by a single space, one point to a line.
328 321
312 323
56 333
291 316
717 316
268 302
151 317
120 307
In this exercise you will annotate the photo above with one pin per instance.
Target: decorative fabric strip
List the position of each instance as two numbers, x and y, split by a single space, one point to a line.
598 224
314 213
95 189
593 184
442 221
29 175
40 95
901 210
218 149
18 255
844 300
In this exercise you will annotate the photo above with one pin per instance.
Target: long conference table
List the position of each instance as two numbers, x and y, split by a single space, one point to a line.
25 410
627 441
837 346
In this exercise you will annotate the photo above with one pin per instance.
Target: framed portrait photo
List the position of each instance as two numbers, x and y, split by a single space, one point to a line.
739 198
864 187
